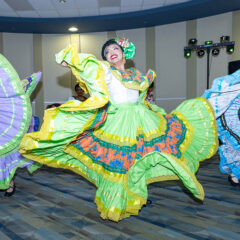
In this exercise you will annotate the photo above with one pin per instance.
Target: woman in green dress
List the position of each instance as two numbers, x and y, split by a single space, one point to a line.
117 140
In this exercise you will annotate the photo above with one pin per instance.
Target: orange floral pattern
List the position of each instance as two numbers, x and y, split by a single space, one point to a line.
120 158
133 75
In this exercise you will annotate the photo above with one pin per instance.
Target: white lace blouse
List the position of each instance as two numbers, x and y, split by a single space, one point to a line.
117 91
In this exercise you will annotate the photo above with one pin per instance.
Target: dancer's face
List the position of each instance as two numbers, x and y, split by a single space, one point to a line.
113 54
79 91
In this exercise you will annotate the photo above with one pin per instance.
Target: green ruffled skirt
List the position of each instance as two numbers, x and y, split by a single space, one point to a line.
122 148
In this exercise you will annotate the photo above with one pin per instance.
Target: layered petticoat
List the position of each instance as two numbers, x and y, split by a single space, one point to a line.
225 97
10 163
15 112
121 148
229 134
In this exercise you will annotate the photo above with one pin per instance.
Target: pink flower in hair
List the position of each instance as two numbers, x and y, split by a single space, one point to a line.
123 42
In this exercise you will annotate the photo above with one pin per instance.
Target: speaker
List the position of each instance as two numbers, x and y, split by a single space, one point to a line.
233 66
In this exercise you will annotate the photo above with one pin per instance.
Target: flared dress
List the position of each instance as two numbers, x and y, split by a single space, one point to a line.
225 98
118 141
15 120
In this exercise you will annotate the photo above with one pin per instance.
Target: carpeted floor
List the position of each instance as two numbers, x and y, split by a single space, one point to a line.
54 204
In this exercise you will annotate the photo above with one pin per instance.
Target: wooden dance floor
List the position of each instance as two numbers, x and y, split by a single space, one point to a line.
54 204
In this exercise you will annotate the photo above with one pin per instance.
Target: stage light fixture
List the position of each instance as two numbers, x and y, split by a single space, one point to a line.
209 48
224 39
230 49
192 41
187 53
201 53
209 42
215 51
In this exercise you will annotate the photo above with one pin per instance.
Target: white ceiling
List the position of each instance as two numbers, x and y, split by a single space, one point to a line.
77 8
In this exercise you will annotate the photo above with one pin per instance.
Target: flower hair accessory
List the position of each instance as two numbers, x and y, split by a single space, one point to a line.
128 47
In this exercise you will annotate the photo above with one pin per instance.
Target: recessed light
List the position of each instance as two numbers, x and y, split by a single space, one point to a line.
73 29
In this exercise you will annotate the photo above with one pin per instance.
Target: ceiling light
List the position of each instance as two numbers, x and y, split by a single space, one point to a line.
73 29
62 1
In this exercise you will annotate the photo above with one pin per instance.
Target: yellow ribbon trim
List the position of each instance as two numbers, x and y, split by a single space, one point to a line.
115 214
127 141
210 109
100 98
169 177
189 133
213 128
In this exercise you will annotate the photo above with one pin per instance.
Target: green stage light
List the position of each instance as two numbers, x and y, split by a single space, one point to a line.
208 42
187 53
230 49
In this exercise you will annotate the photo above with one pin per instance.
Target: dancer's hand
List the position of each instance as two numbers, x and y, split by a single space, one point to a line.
64 64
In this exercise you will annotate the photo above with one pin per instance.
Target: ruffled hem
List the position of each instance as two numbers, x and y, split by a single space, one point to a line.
119 199
229 159
201 141
10 164
121 194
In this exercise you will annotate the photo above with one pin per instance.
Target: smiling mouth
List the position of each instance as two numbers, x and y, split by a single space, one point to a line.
113 56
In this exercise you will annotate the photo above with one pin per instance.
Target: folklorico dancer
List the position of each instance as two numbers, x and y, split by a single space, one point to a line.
225 98
16 119
117 140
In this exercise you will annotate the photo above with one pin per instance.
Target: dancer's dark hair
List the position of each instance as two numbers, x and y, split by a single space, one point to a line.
106 44
76 87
